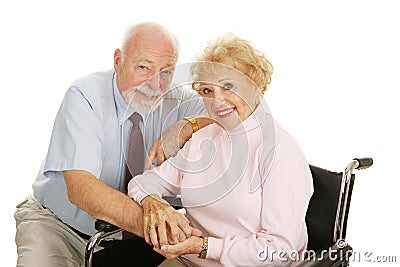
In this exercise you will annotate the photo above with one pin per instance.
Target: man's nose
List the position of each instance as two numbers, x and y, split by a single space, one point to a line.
154 81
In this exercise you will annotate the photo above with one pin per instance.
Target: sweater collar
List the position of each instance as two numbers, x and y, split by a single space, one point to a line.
260 114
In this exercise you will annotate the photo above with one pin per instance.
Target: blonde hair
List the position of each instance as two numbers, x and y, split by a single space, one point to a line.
240 55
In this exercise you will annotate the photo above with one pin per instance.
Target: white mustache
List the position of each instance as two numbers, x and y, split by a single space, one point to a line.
144 106
148 91
144 89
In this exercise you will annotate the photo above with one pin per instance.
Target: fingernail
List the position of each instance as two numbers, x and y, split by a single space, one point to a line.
164 248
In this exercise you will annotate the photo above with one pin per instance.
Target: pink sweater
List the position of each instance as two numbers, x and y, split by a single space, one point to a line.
247 189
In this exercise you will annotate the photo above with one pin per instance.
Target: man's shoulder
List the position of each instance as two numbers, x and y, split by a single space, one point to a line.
98 83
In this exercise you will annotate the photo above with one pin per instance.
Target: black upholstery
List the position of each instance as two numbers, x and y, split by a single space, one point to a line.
321 213
130 252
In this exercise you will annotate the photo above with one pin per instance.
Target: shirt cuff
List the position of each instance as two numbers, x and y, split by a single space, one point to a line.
214 248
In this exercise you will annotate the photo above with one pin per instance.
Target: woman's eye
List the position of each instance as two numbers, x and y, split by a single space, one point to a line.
205 91
228 86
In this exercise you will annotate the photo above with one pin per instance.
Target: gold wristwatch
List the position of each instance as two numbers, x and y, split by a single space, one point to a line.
193 122
203 252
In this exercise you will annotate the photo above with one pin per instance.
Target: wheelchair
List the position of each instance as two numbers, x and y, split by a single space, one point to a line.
326 221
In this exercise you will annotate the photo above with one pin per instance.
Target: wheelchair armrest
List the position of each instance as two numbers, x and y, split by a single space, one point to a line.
103 226
333 256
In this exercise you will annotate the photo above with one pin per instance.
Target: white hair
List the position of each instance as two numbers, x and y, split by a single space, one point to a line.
133 30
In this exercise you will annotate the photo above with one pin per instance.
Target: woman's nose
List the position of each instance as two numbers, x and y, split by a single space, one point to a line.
219 94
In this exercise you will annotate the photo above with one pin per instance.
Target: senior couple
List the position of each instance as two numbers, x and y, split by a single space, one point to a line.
243 180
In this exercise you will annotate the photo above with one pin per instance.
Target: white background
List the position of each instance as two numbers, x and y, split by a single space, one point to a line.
335 86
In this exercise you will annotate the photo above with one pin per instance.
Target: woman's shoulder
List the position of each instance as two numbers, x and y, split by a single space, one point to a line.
211 131
282 135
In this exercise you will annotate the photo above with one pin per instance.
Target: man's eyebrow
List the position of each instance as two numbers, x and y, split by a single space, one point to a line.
168 66
144 60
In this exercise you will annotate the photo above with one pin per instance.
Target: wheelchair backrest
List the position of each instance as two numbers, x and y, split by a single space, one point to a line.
323 208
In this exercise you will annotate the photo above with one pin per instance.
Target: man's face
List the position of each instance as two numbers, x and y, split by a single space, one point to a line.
144 71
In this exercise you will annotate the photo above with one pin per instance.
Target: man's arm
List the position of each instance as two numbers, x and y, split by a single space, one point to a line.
103 202
173 139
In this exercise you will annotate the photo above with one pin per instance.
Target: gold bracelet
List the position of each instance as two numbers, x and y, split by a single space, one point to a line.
193 122
203 252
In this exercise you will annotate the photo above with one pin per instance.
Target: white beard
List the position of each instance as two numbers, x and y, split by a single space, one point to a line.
143 106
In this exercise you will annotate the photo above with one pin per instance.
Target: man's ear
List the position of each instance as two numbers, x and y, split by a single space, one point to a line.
117 58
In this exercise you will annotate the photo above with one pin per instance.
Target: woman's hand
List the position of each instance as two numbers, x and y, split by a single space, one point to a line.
192 245
163 225
169 143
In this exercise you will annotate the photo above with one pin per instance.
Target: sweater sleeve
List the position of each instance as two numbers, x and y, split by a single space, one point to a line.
286 191
164 180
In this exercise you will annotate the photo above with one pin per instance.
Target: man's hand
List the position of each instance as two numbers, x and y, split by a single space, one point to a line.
192 245
162 223
169 143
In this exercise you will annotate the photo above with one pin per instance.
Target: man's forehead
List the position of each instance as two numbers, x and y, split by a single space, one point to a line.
152 51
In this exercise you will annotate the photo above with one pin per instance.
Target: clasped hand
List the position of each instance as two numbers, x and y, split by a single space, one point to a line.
164 225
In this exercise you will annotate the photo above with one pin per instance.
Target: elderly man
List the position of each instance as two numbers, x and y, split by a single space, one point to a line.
83 175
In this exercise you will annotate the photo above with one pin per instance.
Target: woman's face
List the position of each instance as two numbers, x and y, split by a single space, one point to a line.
229 96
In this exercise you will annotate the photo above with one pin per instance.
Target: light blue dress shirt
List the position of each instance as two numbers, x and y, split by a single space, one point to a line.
90 133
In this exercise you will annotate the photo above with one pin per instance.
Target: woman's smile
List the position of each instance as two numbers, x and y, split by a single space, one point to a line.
224 113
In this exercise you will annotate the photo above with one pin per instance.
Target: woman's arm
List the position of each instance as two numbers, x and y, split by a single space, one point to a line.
162 224
174 139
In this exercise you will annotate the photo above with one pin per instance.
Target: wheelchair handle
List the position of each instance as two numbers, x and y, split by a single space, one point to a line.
356 163
363 163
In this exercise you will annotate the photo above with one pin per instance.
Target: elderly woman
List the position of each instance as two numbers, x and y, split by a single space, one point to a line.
244 180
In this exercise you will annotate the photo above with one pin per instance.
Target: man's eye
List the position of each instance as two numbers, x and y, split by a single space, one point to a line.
143 68
228 86
167 72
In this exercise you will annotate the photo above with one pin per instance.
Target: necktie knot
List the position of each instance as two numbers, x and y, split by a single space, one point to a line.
135 119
